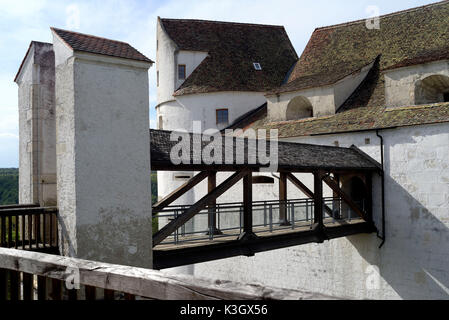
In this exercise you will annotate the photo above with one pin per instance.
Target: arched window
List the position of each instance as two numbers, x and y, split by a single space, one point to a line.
432 89
299 108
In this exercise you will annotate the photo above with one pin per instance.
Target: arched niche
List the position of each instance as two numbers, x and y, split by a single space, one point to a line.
299 108
432 89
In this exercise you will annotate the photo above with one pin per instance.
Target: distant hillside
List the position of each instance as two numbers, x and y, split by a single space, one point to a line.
153 187
9 186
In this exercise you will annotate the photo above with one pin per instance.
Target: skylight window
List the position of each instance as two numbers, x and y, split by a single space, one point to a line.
257 66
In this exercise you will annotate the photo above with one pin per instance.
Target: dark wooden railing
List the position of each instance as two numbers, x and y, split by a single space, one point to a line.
28 275
29 227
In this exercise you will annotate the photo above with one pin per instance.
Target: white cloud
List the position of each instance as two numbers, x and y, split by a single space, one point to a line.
9 135
73 17
21 9
134 21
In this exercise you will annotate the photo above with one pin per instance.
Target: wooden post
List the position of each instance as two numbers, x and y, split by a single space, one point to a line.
212 216
369 197
283 200
248 233
336 205
336 188
158 207
318 198
197 207
301 186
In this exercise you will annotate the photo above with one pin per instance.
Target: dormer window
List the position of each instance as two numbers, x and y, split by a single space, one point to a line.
432 89
257 66
299 108
181 71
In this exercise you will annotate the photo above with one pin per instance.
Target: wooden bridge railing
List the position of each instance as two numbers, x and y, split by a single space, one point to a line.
29 227
26 275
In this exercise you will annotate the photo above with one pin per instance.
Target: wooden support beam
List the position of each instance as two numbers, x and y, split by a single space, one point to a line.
369 196
336 188
283 200
212 216
301 186
248 233
197 207
318 197
158 207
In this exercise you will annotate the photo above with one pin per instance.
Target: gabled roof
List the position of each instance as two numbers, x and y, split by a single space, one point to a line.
405 38
92 44
232 49
291 156
32 44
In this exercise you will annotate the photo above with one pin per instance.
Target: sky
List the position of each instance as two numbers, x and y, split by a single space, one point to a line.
134 21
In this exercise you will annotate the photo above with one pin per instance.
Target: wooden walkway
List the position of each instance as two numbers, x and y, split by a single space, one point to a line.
200 240
171 255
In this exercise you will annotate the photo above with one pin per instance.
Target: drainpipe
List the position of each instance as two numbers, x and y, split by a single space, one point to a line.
383 189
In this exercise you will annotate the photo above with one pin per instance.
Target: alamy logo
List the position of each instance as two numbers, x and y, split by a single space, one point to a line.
373 21
72 278
372 278
207 147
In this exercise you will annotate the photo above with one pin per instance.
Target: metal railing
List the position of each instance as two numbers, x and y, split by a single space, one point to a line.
228 218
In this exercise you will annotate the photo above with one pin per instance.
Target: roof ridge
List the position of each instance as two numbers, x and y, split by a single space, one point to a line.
392 14
88 35
226 22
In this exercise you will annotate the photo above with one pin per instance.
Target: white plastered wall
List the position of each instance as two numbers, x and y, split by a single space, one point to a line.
325 100
103 159
400 84
413 262
37 153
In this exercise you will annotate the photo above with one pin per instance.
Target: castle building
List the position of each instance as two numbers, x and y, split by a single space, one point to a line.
362 118
214 73
83 110
384 90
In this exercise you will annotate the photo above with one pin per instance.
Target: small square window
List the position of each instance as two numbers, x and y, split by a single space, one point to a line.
181 72
446 97
222 116
257 66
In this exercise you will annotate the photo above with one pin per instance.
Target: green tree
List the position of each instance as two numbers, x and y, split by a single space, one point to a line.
9 186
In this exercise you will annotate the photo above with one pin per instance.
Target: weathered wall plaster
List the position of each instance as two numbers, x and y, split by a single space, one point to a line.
401 84
37 141
413 262
103 162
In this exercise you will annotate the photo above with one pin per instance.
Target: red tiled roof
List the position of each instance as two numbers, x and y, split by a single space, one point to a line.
232 49
408 37
92 44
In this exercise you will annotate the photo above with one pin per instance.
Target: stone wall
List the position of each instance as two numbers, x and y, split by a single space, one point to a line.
37 150
413 262
103 161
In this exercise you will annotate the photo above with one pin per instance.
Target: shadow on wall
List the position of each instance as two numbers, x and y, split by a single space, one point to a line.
415 259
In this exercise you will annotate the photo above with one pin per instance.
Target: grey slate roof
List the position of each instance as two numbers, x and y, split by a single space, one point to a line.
292 156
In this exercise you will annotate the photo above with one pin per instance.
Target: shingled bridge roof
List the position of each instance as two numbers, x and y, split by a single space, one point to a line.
292 157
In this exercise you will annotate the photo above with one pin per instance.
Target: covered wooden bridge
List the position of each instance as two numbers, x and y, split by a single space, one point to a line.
258 226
